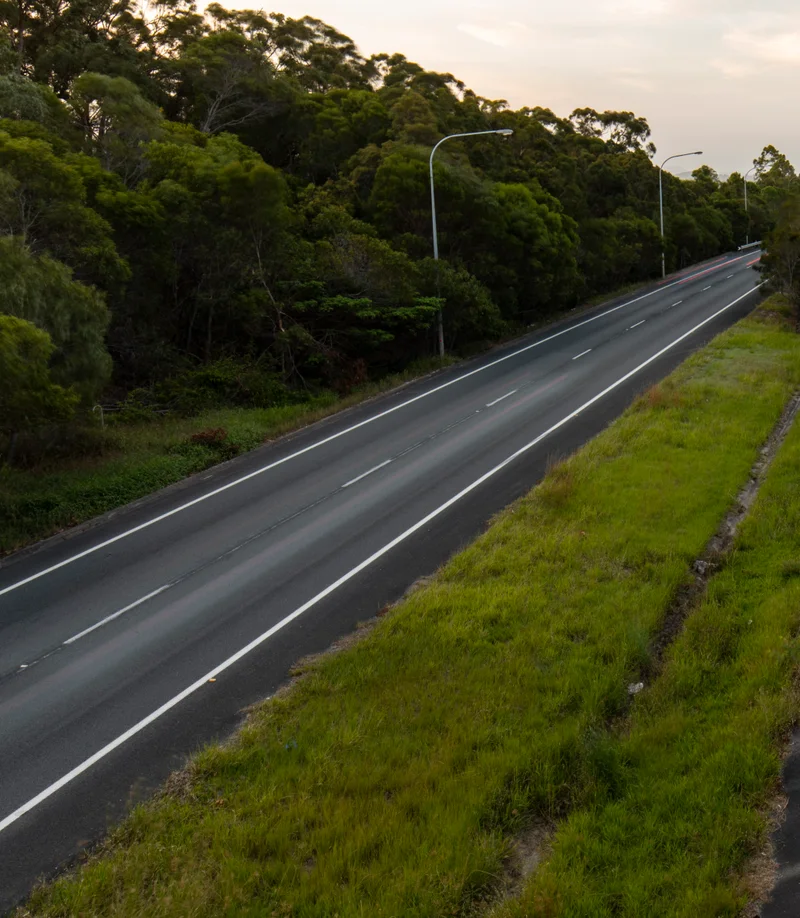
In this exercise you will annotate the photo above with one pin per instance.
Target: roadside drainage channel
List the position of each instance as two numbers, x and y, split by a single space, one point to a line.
778 864
719 546
528 849
531 846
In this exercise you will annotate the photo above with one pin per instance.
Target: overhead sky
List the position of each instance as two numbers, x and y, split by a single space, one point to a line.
718 75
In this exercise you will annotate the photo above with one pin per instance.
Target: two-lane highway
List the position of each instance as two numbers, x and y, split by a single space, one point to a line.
109 639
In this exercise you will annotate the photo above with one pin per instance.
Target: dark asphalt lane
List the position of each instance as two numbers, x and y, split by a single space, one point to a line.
167 604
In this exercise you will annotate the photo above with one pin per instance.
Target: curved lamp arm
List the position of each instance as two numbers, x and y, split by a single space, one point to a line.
503 132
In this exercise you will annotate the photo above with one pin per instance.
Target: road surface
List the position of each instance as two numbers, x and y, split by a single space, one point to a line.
109 637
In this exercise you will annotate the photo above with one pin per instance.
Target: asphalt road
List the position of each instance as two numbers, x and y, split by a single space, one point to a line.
108 637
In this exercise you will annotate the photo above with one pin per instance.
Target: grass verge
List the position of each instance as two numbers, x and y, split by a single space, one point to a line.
391 779
696 765
144 457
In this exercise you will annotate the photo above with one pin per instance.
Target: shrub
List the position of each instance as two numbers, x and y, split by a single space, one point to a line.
214 437
224 383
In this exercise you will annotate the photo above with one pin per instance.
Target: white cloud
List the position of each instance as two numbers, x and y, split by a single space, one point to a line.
501 36
779 47
689 66
734 69
633 78
624 9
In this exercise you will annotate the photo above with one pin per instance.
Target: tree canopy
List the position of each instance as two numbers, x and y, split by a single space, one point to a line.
180 189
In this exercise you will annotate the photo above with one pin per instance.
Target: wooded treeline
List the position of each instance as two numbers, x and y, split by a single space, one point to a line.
235 206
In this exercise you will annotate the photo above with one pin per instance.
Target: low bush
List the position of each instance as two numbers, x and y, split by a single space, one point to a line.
225 383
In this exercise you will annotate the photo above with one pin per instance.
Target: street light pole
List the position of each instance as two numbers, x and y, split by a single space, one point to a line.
747 206
661 204
503 132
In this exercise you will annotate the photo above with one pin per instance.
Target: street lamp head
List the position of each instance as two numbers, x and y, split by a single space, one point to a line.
698 153
504 132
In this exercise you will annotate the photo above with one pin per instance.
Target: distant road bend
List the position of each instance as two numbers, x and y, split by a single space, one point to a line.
108 638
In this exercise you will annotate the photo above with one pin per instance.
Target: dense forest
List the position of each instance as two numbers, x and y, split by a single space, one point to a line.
235 206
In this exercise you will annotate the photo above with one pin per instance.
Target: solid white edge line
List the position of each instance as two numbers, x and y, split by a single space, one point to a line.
364 475
502 397
637 325
110 618
583 353
212 674
341 433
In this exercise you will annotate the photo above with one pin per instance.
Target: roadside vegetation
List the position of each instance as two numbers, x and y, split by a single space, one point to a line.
395 776
133 457
230 209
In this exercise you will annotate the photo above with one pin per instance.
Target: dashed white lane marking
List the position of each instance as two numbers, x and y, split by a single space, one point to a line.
364 475
707 288
110 618
582 354
498 400
232 484
637 325
168 705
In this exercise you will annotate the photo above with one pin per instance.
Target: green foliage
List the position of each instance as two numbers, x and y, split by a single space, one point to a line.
247 187
22 99
115 121
28 397
470 313
147 449
42 291
773 168
533 267
484 703
43 201
781 263
223 382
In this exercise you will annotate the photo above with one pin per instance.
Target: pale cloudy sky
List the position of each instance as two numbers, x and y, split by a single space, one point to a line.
718 75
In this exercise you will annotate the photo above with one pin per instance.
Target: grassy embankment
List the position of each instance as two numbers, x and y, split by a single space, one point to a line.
132 460
394 777
138 459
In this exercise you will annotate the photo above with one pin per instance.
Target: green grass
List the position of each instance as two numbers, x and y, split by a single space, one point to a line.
139 459
696 765
392 778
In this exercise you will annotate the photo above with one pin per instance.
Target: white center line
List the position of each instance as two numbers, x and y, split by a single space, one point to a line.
637 324
168 705
382 414
364 474
110 618
497 400
583 354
